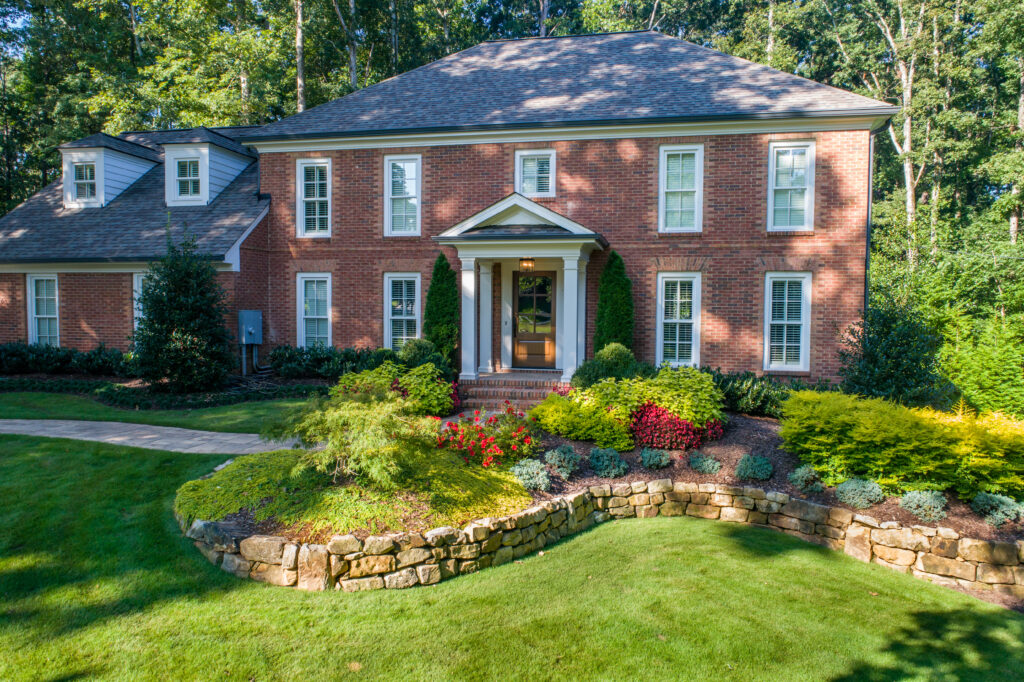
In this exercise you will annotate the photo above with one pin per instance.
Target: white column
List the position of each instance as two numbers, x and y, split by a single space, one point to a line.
570 315
506 314
581 324
486 306
468 319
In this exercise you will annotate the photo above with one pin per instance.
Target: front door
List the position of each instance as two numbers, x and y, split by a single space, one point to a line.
533 342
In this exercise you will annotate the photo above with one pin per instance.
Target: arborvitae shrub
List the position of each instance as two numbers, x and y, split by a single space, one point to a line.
614 322
441 310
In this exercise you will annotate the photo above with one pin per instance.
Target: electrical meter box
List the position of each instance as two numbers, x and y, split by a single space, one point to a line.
250 327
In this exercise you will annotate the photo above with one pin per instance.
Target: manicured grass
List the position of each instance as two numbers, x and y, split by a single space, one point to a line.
239 418
96 581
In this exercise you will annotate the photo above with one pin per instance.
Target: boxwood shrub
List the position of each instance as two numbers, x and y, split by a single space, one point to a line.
23 358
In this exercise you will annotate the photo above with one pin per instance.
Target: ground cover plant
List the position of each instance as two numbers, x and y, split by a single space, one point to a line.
651 458
704 464
531 474
805 479
563 460
997 509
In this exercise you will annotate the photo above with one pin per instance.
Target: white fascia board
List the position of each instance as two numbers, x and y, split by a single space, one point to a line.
99 268
233 258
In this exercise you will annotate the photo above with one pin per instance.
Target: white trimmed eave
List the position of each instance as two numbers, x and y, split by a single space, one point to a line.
93 267
521 248
514 205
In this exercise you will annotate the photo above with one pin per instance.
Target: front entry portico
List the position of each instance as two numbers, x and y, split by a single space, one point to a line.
543 264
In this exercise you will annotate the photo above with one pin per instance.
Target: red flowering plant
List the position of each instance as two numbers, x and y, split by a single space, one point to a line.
655 427
490 439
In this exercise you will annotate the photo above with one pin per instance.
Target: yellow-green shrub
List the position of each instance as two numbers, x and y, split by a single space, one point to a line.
567 418
902 448
686 392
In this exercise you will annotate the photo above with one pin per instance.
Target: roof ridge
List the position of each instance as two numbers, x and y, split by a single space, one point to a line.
574 35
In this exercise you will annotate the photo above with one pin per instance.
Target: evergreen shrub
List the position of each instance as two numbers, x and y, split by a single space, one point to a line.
532 474
859 493
565 417
805 479
563 460
704 464
754 467
607 463
614 320
651 458
927 505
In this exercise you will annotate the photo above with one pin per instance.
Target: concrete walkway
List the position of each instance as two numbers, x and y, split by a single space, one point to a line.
144 436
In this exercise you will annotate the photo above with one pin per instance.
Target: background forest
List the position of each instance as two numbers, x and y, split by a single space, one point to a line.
947 212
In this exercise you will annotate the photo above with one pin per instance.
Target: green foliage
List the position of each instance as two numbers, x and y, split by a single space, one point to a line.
22 358
427 390
997 509
927 505
575 421
859 493
904 448
892 354
686 392
754 467
651 458
805 479
614 361
747 393
607 463
182 338
441 309
614 322
563 460
326 362
986 364
704 464
532 474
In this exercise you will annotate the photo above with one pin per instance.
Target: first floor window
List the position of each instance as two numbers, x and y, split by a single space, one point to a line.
678 318
314 309
42 310
314 198
85 181
137 281
681 192
402 195
188 177
787 333
535 173
402 308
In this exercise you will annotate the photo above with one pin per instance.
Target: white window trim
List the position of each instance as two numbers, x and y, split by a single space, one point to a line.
174 153
418 159
808 198
300 205
137 313
698 200
660 312
805 321
188 178
70 160
388 277
300 328
30 280
552 187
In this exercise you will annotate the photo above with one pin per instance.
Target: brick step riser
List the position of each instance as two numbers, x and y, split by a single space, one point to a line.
499 392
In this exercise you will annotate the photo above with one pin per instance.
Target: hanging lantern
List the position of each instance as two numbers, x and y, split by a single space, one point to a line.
526 264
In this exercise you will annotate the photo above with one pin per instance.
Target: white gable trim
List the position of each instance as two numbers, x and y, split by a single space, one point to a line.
233 257
520 207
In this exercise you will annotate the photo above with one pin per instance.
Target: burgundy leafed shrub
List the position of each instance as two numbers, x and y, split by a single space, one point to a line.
656 427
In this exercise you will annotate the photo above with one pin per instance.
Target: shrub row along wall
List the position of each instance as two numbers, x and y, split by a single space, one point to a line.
408 559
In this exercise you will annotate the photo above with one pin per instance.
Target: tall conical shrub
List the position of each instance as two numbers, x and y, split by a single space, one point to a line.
441 311
614 305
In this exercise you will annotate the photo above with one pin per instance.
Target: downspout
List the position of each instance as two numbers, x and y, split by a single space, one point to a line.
867 250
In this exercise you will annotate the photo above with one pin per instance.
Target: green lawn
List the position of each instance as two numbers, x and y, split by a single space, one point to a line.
95 581
238 418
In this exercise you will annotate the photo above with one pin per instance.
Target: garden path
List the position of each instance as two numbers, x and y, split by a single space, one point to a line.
144 436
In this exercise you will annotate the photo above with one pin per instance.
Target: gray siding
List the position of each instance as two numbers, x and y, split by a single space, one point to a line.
224 167
120 171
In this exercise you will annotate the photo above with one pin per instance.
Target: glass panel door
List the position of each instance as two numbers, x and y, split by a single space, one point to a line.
534 314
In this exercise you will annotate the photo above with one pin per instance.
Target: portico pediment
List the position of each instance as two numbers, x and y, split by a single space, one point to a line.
516 219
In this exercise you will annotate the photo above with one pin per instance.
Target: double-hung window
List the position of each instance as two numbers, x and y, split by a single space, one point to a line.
791 186
401 308
188 177
314 309
681 188
43 325
313 190
402 189
85 181
535 172
787 321
137 281
678 334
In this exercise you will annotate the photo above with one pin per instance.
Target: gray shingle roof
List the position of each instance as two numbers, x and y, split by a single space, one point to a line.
117 144
190 136
129 228
618 77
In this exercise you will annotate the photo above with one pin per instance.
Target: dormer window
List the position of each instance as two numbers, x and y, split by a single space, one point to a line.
188 178
85 181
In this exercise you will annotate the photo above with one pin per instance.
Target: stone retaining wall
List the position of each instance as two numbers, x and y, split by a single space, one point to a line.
407 559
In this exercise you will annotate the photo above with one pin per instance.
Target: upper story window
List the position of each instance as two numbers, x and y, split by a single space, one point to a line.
314 309
681 188
43 325
85 181
787 321
402 190
535 172
188 178
791 186
678 332
313 190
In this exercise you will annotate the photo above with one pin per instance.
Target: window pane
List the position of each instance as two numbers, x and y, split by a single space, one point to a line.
403 178
535 174
403 215
794 300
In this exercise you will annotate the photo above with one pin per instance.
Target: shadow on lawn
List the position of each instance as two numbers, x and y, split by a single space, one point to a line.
765 542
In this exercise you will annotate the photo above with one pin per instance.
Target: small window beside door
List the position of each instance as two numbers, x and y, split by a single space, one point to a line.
535 172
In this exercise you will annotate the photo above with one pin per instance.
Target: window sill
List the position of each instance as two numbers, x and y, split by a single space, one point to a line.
788 372
790 232
313 236
680 233
403 236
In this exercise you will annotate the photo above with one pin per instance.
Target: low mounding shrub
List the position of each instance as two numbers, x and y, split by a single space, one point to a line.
902 448
416 352
614 361
428 392
805 479
859 494
704 464
747 393
651 458
997 509
563 460
326 362
657 427
754 467
927 505
21 358
563 416
532 474
685 392
607 463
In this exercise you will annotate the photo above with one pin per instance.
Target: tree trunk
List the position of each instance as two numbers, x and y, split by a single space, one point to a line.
542 22
770 45
300 58
243 84
353 49
1015 190
393 10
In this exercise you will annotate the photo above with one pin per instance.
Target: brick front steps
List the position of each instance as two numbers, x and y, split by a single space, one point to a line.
403 560
523 389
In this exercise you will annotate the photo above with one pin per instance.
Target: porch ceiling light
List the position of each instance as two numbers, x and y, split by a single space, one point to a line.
526 264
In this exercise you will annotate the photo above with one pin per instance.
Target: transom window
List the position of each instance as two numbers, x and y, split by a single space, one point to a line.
791 186
314 324
535 172
402 308
42 312
188 177
85 181
314 193
678 318
680 196
402 195
787 325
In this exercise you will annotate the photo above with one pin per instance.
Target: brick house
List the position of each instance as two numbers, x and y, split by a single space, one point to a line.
737 195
